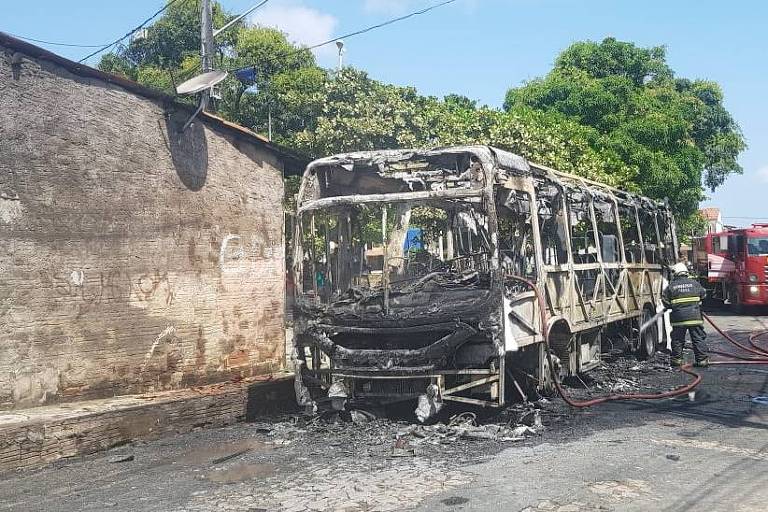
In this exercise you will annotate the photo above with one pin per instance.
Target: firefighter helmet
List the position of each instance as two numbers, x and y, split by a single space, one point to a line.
679 268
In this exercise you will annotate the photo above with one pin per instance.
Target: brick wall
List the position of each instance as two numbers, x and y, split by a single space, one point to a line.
133 259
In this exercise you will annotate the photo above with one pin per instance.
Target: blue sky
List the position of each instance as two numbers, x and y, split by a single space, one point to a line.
481 47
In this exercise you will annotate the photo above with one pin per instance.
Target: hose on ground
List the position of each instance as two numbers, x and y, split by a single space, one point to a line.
682 390
738 359
734 356
753 338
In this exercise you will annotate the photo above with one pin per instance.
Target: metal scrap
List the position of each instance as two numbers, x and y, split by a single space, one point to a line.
465 426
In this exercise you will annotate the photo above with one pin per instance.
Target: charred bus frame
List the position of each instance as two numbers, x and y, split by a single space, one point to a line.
445 321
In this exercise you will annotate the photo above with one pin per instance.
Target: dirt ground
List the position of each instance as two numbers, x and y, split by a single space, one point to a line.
708 451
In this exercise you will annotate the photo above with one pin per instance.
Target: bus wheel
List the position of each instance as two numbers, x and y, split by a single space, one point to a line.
564 345
648 338
546 381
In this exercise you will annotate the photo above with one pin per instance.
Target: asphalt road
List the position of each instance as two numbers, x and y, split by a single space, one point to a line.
708 452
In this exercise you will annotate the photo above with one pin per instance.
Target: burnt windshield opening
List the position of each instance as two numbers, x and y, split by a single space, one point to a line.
361 252
516 237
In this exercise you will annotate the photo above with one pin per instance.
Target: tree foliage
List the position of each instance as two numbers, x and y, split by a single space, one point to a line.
674 132
358 113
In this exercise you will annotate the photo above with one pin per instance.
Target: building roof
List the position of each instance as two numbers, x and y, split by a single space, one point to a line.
294 164
710 214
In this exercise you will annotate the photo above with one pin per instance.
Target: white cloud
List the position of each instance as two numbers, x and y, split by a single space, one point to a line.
762 174
303 25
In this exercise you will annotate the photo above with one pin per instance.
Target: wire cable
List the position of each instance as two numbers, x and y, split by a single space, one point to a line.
382 24
139 27
52 43
239 17
363 30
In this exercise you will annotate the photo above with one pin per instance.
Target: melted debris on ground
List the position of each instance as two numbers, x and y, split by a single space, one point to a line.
466 436
346 461
627 375
361 434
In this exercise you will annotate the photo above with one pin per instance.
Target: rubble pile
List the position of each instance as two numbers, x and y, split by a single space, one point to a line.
465 426
360 433
357 460
626 375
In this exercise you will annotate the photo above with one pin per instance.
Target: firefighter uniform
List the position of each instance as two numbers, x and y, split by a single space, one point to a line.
683 296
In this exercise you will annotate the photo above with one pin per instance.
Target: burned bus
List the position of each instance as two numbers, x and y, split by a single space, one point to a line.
407 267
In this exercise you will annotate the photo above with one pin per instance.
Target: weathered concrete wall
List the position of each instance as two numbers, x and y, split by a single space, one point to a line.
132 259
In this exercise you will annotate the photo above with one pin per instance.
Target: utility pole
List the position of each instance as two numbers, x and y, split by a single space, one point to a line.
206 36
206 60
206 45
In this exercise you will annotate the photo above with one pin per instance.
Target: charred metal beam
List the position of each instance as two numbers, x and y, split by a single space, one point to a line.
389 330
429 356
329 202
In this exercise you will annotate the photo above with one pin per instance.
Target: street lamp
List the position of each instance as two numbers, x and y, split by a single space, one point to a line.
340 46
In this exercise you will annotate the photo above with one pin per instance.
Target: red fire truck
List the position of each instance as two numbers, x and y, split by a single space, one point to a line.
733 265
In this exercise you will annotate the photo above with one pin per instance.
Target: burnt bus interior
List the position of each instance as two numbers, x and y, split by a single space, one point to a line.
404 261
394 265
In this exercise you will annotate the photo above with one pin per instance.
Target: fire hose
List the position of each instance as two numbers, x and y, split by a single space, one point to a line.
682 390
738 359
762 353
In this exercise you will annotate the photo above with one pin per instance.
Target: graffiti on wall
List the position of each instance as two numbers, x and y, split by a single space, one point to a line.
109 286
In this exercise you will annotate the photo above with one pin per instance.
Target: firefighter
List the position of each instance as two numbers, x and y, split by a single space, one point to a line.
683 297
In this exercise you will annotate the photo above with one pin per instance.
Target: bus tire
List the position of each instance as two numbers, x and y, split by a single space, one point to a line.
547 386
649 338
564 345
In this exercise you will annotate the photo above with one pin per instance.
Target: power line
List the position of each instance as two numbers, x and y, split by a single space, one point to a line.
52 43
367 29
238 18
143 23
383 24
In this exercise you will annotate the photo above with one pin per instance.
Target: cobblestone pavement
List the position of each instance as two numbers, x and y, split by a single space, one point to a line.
706 452
347 486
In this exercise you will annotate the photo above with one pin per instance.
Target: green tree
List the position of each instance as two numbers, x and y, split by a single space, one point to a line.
675 132
176 36
358 113
287 83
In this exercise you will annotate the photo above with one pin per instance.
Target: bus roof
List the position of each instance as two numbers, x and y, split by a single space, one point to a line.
502 158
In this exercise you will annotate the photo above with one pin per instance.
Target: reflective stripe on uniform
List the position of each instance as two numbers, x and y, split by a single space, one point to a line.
685 300
687 323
